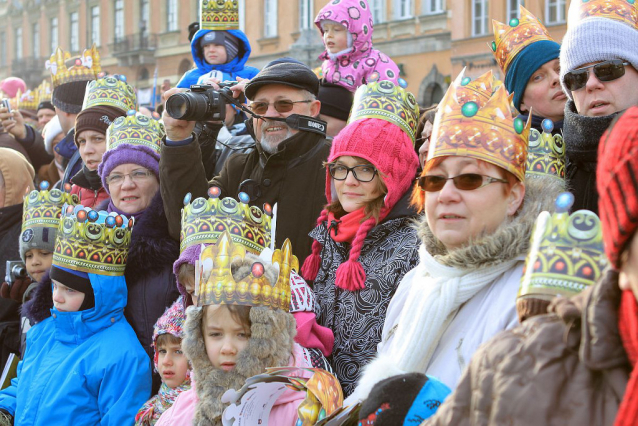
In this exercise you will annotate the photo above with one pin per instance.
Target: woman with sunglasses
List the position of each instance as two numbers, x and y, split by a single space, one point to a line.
364 242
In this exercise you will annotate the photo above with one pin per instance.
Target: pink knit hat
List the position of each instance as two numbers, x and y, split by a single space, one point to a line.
11 85
391 151
171 322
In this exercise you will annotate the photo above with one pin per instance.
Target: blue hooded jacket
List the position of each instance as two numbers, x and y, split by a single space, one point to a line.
82 368
235 68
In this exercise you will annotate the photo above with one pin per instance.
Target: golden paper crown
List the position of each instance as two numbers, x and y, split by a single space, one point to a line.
112 90
218 287
85 68
619 10
387 101
219 15
566 254
203 221
477 119
511 38
43 208
93 242
545 152
135 129
27 101
44 91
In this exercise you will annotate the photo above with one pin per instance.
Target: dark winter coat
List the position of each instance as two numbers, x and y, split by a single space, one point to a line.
293 178
33 143
389 251
10 226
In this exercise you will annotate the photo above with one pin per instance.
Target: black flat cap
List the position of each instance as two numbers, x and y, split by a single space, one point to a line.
289 74
336 101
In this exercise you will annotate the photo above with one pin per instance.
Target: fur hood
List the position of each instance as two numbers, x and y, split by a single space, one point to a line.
39 307
270 345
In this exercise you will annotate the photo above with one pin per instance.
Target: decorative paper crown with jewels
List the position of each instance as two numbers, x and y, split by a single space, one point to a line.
219 15
44 91
619 10
566 253
387 101
477 119
27 101
43 208
511 38
85 68
112 90
135 129
545 152
216 285
92 241
203 221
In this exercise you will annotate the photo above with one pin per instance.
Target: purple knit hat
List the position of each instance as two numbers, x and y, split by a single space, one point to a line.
125 154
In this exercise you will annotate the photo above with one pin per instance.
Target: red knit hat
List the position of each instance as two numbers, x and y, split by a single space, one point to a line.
617 182
391 151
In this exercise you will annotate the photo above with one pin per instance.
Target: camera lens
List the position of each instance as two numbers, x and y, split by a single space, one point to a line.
191 106
19 271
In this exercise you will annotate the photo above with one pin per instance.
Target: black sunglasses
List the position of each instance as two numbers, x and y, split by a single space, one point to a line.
604 71
464 182
282 105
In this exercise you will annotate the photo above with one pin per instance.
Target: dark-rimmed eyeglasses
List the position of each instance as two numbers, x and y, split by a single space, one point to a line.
282 105
604 71
464 182
135 175
362 172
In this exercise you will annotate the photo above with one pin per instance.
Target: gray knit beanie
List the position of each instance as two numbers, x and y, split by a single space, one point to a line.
42 238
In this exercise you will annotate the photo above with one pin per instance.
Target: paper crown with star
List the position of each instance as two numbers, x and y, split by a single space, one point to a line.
219 15
135 129
27 101
516 35
387 101
476 118
566 253
112 90
85 68
624 11
93 241
43 207
545 152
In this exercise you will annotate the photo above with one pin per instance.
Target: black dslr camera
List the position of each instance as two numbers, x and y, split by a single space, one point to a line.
201 103
15 269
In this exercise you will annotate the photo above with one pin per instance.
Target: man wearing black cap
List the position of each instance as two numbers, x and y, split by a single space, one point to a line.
45 112
285 169
336 102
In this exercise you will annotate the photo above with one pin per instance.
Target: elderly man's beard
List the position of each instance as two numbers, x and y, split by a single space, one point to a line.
269 143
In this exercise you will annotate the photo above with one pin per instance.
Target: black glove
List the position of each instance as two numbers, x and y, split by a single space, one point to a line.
16 290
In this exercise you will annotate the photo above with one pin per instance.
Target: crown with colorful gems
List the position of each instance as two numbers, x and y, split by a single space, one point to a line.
203 221
566 253
545 152
619 10
216 285
511 38
43 208
477 119
111 90
92 241
387 101
85 68
219 15
44 91
135 129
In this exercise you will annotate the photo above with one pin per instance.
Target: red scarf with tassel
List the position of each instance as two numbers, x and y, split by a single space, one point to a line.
628 328
344 229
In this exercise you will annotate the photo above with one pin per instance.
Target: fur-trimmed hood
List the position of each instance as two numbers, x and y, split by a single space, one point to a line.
39 307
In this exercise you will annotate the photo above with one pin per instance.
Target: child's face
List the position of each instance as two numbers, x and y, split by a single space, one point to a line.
172 364
335 37
224 337
215 54
189 286
65 299
38 262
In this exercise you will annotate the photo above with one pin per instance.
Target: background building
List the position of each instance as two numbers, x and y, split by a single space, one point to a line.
430 40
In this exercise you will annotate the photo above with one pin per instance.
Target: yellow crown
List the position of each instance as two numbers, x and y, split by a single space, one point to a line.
511 38
218 287
43 208
219 15
545 152
27 101
112 90
566 254
135 129
44 91
619 10
477 119
85 68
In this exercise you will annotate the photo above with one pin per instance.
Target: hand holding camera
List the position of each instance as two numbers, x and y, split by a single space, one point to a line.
176 129
16 281
12 121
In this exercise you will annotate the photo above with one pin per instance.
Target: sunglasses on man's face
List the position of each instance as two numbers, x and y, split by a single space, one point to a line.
464 182
282 105
604 71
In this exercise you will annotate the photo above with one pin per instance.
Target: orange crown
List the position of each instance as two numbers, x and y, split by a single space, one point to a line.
477 119
618 10
85 68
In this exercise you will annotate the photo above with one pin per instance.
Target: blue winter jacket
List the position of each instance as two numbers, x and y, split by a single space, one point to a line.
235 68
82 368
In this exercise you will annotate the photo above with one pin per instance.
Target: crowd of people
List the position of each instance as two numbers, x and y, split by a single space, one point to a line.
319 251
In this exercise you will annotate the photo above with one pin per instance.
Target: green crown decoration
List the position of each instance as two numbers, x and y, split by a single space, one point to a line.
545 153
135 129
93 242
205 220
566 254
43 208
387 101
112 90
219 15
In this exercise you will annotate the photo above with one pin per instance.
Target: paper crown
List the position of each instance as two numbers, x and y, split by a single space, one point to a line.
511 38
566 253
619 10
135 129
204 221
477 119
219 15
387 101
27 101
112 90
218 287
92 241
44 91
545 152
85 68
43 208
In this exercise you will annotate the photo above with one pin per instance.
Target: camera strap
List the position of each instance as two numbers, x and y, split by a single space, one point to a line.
294 121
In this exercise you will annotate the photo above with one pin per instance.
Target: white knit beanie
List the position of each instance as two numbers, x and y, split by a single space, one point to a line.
50 131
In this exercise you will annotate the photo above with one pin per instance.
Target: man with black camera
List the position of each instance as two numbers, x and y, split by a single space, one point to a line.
286 167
